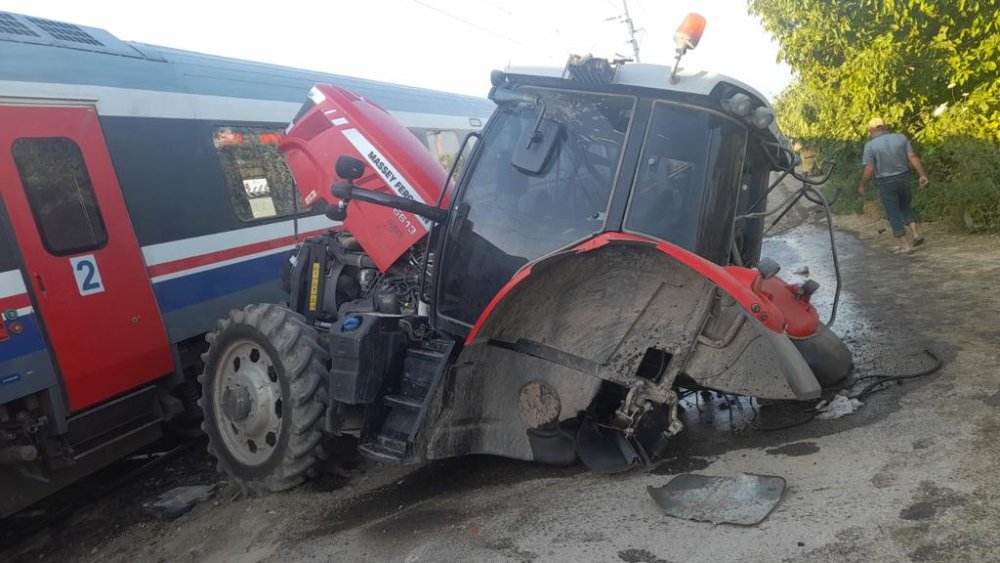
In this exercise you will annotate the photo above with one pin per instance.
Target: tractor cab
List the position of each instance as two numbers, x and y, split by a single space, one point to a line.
599 250
599 149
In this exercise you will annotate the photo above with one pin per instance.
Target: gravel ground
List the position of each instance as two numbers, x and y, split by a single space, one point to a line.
909 477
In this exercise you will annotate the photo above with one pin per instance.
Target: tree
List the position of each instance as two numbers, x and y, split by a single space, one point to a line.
899 59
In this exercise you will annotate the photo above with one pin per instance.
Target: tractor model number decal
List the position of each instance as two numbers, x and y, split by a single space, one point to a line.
388 172
88 277
314 287
405 221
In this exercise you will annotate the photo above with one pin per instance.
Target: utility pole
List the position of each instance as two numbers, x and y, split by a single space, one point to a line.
631 31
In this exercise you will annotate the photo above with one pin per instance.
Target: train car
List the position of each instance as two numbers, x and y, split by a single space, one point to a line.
142 197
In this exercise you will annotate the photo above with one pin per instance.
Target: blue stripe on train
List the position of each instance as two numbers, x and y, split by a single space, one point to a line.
192 289
30 340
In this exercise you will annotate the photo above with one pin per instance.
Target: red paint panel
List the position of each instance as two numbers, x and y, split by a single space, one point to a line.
801 318
105 342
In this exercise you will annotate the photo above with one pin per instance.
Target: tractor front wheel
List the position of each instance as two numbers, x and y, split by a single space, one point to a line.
260 397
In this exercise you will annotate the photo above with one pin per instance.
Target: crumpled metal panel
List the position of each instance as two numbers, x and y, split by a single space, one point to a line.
581 319
745 500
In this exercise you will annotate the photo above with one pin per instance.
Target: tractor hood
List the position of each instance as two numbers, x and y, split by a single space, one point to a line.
334 122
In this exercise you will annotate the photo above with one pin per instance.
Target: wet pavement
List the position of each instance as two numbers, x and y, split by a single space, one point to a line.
909 477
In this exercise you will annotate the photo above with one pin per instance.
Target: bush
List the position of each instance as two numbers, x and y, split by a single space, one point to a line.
965 184
964 189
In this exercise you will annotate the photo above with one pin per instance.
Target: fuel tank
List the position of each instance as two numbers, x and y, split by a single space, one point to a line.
334 122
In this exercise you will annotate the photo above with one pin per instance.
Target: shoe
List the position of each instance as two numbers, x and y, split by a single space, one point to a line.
918 241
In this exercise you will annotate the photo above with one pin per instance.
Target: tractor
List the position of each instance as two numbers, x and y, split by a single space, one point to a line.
594 249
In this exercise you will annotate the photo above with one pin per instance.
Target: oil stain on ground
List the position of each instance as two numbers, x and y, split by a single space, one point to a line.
930 500
993 400
680 464
639 556
439 481
796 449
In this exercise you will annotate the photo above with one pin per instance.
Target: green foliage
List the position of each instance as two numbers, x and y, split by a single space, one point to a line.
928 67
967 193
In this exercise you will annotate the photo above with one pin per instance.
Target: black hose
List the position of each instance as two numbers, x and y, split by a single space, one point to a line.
809 408
832 202
801 192
882 379
878 385
807 418
809 188
833 251
769 189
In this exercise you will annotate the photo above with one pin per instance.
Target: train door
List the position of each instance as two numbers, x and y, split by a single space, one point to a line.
82 261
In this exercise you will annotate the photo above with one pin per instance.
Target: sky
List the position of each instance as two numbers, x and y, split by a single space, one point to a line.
449 45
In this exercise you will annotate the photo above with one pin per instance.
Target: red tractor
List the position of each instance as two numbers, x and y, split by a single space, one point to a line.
599 250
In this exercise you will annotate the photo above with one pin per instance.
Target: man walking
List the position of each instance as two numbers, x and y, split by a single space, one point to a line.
887 157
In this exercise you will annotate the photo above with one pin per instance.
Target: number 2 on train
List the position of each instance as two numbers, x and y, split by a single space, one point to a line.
88 277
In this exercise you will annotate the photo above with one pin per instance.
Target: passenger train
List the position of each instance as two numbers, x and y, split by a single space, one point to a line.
142 197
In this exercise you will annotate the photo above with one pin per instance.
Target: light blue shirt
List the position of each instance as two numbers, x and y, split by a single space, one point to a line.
889 152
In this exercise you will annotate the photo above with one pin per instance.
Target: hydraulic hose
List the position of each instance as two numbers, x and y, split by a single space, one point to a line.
833 250
810 192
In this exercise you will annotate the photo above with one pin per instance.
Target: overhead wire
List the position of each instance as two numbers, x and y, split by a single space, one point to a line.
536 48
470 24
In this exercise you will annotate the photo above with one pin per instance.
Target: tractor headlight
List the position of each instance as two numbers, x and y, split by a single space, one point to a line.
739 104
761 117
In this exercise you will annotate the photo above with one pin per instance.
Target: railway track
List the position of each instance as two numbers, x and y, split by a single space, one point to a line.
65 504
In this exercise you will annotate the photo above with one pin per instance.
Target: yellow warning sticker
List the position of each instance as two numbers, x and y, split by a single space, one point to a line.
314 287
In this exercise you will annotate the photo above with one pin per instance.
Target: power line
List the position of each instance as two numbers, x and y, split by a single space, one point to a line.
500 9
469 23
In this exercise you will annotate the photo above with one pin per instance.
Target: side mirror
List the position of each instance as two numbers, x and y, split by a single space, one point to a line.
349 168
536 147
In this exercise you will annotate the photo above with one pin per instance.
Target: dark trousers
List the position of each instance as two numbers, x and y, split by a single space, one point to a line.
896 194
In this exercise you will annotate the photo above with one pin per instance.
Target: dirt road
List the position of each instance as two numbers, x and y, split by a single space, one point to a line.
910 477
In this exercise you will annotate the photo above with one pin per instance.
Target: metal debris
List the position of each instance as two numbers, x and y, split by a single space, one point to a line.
745 500
180 500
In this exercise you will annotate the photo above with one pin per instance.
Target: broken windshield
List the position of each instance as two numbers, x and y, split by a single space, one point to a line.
511 217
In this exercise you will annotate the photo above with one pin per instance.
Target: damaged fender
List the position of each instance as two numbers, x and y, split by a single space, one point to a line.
616 322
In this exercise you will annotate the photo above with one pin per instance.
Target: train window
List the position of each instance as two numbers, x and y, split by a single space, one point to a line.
444 145
259 182
60 194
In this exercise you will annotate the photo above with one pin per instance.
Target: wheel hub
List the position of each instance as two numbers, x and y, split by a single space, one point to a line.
248 402
236 403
